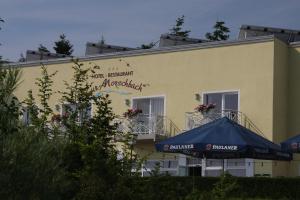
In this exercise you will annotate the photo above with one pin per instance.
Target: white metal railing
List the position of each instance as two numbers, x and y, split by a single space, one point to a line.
196 119
148 125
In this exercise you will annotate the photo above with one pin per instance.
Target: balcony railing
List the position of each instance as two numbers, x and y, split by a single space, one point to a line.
148 126
196 119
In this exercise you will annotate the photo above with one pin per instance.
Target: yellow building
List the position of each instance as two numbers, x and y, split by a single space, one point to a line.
255 79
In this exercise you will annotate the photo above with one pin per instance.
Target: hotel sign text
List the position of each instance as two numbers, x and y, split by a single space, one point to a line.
108 81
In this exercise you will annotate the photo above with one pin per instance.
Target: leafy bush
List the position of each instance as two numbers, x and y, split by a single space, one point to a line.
224 187
206 187
72 158
197 195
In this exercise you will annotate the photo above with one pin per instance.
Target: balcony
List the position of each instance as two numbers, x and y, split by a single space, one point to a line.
196 119
148 127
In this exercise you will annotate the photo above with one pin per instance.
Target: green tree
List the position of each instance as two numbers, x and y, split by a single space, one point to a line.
44 93
22 58
9 79
9 105
43 49
40 116
79 96
1 21
177 28
30 160
63 46
148 46
220 32
92 139
76 158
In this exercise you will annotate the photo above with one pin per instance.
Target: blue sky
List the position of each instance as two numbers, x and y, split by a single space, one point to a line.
131 23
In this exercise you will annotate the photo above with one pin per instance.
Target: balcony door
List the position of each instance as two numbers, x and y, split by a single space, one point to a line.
227 104
223 100
152 114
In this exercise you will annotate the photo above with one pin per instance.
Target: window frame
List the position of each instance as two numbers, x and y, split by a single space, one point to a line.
27 121
149 97
236 91
79 120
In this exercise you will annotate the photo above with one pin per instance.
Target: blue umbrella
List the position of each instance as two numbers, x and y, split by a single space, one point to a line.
223 139
292 144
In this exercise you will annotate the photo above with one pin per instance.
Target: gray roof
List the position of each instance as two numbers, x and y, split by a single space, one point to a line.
46 53
269 29
180 38
108 46
141 52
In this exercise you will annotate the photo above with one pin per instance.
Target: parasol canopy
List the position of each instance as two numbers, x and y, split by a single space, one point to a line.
223 139
292 144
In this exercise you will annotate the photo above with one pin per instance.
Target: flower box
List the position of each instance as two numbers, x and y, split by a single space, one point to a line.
205 108
131 113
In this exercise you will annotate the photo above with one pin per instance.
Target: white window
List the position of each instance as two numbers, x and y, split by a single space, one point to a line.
169 167
223 100
236 167
82 115
153 106
151 120
227 104
25 116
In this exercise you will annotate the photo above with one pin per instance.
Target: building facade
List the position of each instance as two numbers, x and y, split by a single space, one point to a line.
254 80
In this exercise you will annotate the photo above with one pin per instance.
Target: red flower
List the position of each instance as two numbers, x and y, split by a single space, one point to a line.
130 113
56 118
65 115
205 107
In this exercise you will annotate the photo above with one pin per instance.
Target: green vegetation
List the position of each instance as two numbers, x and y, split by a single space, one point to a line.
63 46
9 105
148 46
211 188
224 188
67 157
177 28
220 32
1 21
43 49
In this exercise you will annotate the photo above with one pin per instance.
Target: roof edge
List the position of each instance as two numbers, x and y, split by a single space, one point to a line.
141 52
276 29
294 44
107 45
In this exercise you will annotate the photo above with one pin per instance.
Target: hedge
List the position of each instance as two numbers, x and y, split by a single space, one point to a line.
168 187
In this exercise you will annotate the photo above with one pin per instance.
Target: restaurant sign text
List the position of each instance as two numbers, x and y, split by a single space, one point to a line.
109 80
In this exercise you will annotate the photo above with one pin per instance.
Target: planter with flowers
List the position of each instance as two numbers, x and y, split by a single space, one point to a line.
131 113
205 109
56 118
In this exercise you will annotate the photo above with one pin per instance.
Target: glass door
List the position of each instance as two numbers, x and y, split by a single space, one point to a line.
226 103
231 106
151 118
